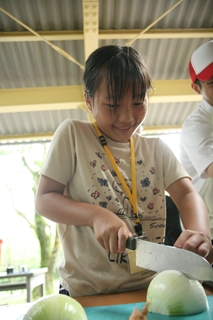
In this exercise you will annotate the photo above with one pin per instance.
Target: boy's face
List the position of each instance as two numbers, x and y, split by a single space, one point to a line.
118 125
206 90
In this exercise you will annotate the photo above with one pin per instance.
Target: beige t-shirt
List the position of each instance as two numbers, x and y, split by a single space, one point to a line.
77 159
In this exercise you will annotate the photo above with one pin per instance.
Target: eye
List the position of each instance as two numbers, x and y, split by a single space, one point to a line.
112 105
138 104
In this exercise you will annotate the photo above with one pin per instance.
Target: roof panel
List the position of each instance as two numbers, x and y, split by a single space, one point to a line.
139 14
37 122
45 15
34 64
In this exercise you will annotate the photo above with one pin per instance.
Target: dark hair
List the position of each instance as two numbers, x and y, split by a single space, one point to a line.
121 67
198 82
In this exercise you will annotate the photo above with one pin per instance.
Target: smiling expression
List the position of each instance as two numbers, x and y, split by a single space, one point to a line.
117 122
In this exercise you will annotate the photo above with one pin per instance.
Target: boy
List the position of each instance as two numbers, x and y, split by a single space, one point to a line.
196 139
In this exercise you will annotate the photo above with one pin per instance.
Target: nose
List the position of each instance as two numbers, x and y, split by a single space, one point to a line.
125 114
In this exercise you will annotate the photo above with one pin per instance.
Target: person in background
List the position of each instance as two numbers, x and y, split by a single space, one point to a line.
102 182
196 138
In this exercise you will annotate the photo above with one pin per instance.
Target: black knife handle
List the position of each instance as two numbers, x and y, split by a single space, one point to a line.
131 243
138 229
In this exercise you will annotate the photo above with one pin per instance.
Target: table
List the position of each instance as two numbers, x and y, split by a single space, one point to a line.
32 279
14 312
121 298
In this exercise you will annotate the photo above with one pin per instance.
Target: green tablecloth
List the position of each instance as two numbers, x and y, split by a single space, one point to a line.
123 311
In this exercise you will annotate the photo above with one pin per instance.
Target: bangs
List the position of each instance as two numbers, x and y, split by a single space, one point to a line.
120 74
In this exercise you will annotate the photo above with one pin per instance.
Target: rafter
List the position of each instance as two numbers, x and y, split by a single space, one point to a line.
154 22
90 20
71 97
68 35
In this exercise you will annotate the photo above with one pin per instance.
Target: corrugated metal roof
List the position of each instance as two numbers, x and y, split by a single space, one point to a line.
32 64
42 122
35 64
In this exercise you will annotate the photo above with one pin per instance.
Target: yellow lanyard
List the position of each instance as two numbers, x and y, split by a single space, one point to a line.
132 196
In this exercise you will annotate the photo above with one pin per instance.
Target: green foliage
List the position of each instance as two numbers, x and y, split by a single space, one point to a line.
23 163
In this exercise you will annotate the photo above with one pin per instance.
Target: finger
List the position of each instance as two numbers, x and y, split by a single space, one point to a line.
107 244
194 241
203 249
199 244
184 236
113 242
123 235
101 243
104 243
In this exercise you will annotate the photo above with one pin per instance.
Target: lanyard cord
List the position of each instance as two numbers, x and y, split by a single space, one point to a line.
132 196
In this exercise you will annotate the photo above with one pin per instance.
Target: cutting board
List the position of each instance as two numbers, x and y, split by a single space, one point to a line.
123 311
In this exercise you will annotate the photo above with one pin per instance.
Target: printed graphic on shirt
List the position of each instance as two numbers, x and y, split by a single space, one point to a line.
119 258
107 192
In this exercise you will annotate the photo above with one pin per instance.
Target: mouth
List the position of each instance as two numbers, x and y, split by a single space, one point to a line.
124 129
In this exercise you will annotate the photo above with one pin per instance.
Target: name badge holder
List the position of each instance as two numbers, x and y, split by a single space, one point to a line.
132 196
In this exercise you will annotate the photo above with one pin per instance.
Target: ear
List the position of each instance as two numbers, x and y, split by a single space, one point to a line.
88 101
196 88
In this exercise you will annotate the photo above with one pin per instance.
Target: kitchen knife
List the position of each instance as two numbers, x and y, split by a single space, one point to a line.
159 257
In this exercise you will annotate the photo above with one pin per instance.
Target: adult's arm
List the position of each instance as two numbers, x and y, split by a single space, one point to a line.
196 236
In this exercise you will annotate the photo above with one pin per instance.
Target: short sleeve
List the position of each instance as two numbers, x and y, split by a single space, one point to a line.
59 164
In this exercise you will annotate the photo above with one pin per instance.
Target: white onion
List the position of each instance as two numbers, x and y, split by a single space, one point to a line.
56 307
171 293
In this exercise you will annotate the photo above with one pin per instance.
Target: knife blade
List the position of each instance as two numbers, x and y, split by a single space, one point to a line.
159 257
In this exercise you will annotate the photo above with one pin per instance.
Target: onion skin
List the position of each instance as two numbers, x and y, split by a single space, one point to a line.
171 293
56 307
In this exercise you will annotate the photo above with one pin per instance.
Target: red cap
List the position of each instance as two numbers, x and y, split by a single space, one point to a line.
201 63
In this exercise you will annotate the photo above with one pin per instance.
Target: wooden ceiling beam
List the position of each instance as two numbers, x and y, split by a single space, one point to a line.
90 26
71 97
40 99
167 91
67 35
